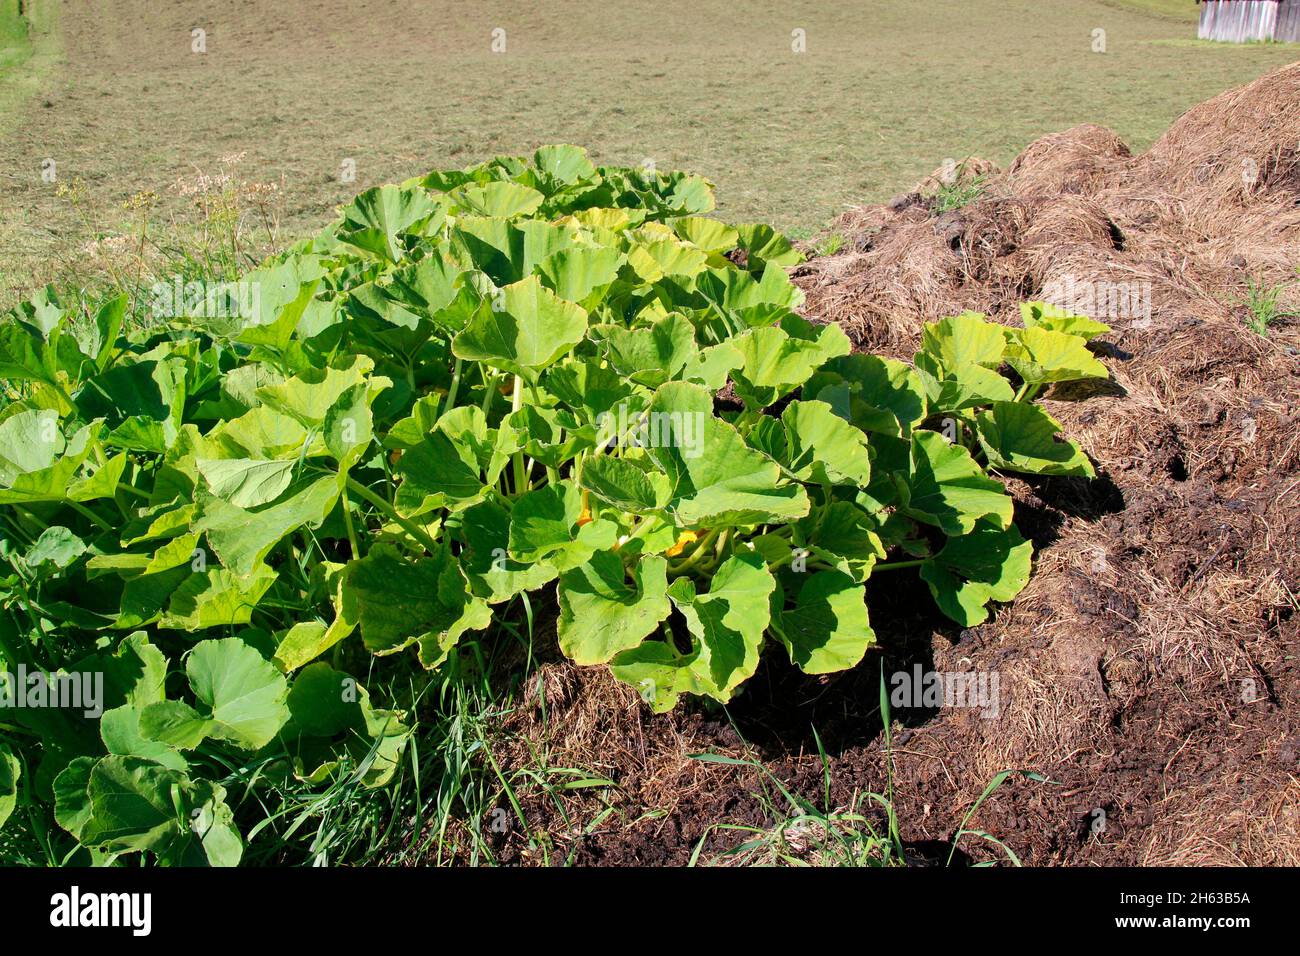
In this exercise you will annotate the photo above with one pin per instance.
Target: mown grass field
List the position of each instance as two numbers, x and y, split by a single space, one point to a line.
882 95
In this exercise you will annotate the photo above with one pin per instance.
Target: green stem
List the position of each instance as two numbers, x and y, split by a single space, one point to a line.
701 548
408 526
123 486
352 532
1027 392
516 403
899 565
454 387
87 513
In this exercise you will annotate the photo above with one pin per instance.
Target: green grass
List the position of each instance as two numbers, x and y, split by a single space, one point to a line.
884 94
1263 305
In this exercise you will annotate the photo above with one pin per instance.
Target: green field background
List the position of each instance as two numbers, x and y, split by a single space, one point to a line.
885 92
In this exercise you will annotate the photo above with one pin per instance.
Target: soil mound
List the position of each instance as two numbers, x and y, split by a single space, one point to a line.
1151 671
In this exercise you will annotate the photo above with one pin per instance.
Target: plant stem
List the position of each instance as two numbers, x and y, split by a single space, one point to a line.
408 526
454 387
899 565
131 490
352 532
87 513
516 403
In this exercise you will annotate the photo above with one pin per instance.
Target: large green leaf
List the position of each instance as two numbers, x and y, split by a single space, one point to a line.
241 696
1043 315
965 339
243 537
1018 436
827 629
716 479
376 220
948 488
778 359
728 621
529 329
399 602
822 447
602 612
10 770
876 394
1040 355
989 564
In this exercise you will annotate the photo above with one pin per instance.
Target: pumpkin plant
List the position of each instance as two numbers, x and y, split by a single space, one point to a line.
473 390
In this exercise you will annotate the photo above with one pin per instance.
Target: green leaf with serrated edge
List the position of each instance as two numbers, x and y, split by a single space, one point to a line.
716 480
493 574
602 612
544 525
436 474
989 564
658 673
1044 315
132 805
215 598
245 482
436 647
262 432
876 394
966 339
507 250
580 273
71 800
948 488
824 448
950 389
711 366
1040 356
728 621
243 693
175 724
750 301
324 702
242 537
500 199
709 234
764 244
564 164
1017 436
827 628
775 362
398 601
56 548
349 426
276 332
653 354
629 483
378 218
30 441
59 480
530 330
845 536
307 398
119 728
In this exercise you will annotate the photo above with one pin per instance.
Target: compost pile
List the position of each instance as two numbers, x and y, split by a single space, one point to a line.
1149 669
